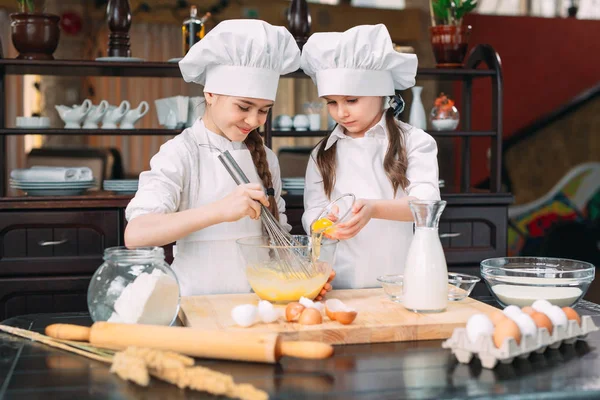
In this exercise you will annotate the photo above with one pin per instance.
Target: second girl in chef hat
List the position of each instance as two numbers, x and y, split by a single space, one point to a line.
188 195
383 161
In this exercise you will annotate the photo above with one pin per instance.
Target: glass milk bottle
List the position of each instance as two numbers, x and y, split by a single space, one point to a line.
426 274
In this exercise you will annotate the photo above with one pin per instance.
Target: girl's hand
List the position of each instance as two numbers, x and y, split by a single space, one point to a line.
363 212
242 202
326 288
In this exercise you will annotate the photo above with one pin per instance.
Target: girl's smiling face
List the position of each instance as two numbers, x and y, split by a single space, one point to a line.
235 117
357 114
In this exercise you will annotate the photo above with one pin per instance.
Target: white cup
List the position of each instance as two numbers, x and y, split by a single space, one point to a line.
314 122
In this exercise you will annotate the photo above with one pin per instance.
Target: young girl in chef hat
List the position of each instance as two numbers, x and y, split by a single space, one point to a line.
188 196
383 161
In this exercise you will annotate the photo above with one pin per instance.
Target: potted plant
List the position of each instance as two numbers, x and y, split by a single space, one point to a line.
34 33
449 37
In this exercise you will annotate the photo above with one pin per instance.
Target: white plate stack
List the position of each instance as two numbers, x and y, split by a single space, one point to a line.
52 181
293 186
121 186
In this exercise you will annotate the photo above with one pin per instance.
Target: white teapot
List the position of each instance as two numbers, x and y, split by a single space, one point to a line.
72 116
95 115
133 115
115 114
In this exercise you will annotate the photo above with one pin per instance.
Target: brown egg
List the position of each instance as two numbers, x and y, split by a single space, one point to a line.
528 310
293 311
497 317
505 329
542 321
310 316
572 315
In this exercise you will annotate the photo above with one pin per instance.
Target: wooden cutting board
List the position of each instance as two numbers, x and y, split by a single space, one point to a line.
379 319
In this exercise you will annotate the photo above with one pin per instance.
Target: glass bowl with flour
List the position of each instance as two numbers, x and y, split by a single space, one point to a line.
134 286
520 281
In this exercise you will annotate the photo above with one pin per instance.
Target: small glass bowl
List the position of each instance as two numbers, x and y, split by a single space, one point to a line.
461 286
337 211
520 281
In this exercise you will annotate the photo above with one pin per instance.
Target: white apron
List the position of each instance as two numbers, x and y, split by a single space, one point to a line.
380 248
208 261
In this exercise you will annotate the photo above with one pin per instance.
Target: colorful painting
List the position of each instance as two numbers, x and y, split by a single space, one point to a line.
565 222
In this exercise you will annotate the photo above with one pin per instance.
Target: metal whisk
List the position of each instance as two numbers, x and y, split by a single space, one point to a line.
288 250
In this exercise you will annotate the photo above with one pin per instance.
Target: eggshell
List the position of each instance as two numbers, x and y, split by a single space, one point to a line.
310 316
572 314
244 315
512 311
542 321
345 317
526 324
293 311
308 303
506 329
479 325
266 312
336 310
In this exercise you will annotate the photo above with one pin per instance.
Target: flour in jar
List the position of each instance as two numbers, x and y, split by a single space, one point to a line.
152 298
523 296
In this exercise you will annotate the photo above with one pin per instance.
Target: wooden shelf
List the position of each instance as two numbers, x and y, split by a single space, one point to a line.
95 132
432 133
295 133
93 199
451 195
90 68
461 133
432 73
171 70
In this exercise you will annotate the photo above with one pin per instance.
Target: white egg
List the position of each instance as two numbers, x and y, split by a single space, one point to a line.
267 312
556 315
525 323
479 325
244 315
511 311
541 305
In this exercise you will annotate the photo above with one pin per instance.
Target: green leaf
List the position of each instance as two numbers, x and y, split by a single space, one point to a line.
440 8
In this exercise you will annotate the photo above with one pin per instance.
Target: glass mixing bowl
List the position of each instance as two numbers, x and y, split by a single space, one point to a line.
134 286
520 281
282 274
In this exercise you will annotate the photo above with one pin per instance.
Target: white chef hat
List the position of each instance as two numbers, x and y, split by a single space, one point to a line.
358 62
242 58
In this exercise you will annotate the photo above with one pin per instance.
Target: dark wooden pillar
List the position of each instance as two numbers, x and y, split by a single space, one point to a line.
118 15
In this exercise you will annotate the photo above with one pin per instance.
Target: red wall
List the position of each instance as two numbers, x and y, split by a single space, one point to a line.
546 62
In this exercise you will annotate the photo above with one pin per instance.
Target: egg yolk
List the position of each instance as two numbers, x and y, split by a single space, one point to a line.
322 225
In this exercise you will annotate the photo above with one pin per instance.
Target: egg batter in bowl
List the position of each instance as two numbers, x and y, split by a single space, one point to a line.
278 281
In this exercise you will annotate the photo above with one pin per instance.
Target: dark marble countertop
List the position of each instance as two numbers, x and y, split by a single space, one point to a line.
407 370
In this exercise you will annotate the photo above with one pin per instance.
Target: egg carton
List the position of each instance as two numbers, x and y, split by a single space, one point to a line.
490 355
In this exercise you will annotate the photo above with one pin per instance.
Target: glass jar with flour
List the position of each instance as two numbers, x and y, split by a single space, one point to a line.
134 286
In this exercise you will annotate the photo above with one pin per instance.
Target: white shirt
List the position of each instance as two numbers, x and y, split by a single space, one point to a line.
186 174
380 248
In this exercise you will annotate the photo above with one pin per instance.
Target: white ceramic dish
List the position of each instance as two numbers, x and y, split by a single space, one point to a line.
120 59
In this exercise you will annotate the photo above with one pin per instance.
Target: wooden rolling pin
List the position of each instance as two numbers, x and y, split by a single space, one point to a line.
241 346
